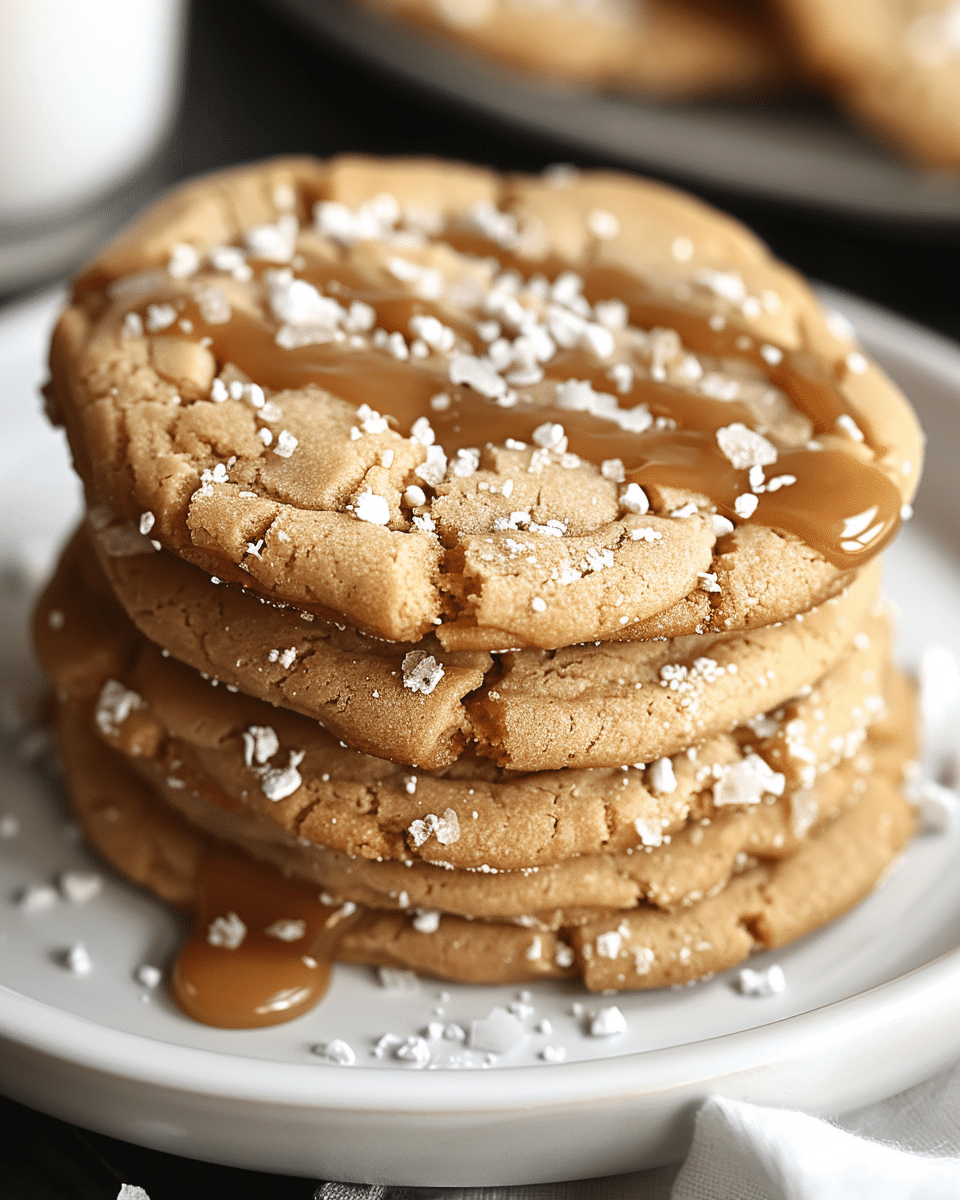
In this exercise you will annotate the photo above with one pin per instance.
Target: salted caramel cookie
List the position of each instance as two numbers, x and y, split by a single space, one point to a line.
293 774
639 946
680 870
619 702
403 701
667 48
421 398
894 64
422 705
764 908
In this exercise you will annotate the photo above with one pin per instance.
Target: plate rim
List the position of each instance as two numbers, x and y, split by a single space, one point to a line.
26 1021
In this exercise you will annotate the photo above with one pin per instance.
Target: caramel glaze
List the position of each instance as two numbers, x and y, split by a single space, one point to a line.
264 980
832 485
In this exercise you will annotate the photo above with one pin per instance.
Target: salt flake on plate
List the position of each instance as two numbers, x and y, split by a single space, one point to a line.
768 982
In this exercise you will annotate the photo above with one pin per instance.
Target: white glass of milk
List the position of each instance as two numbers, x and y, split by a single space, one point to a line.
88 90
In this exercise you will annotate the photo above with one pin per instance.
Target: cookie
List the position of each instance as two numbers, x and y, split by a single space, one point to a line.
607 412
766 905
667 48
292 773
423 705
762 909
894 64
682 869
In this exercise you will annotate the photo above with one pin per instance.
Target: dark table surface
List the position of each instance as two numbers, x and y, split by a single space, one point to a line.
254 86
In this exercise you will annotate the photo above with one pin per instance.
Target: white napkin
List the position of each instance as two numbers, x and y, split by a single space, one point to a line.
904 1148
745 1152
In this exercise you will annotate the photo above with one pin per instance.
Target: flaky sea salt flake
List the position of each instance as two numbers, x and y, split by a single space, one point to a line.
394 980
498 1033
37 898
114 705
336 1051
446 829
148 976
426 920
421 672
130 1191
160 316
287 929
77 959
662 777
184 261
370 507
79 887
227 932
260 743
277 783
747 782
744 447
768 982
286 444
415 1050
745 506
608 1022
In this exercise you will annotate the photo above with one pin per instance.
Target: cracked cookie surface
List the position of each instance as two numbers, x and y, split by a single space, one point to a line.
422 398
775 895
291 776
586 706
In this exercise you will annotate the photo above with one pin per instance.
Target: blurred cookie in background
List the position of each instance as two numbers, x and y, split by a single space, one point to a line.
660 48
893 64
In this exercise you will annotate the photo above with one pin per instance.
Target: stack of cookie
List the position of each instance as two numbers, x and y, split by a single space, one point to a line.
479 576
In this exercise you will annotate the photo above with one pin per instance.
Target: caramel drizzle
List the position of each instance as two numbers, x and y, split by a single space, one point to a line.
832 485
264 980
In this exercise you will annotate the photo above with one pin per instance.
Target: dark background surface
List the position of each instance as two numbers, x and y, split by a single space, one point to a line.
254 86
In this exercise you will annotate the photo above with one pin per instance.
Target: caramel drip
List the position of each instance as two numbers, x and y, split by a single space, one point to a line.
264 980
832 486
811 388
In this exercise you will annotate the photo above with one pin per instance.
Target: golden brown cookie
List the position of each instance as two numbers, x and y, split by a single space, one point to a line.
663 48
512 412
294 774
681 870
423 705
765 905
895 64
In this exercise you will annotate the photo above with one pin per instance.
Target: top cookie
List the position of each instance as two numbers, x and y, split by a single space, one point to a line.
674 48
515 412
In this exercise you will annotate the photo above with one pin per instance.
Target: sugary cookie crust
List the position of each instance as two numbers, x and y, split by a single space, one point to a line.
477 818
693 862
484 820
301 496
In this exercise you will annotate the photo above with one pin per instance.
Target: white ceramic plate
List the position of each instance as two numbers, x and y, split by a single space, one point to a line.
870 1007
795 151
